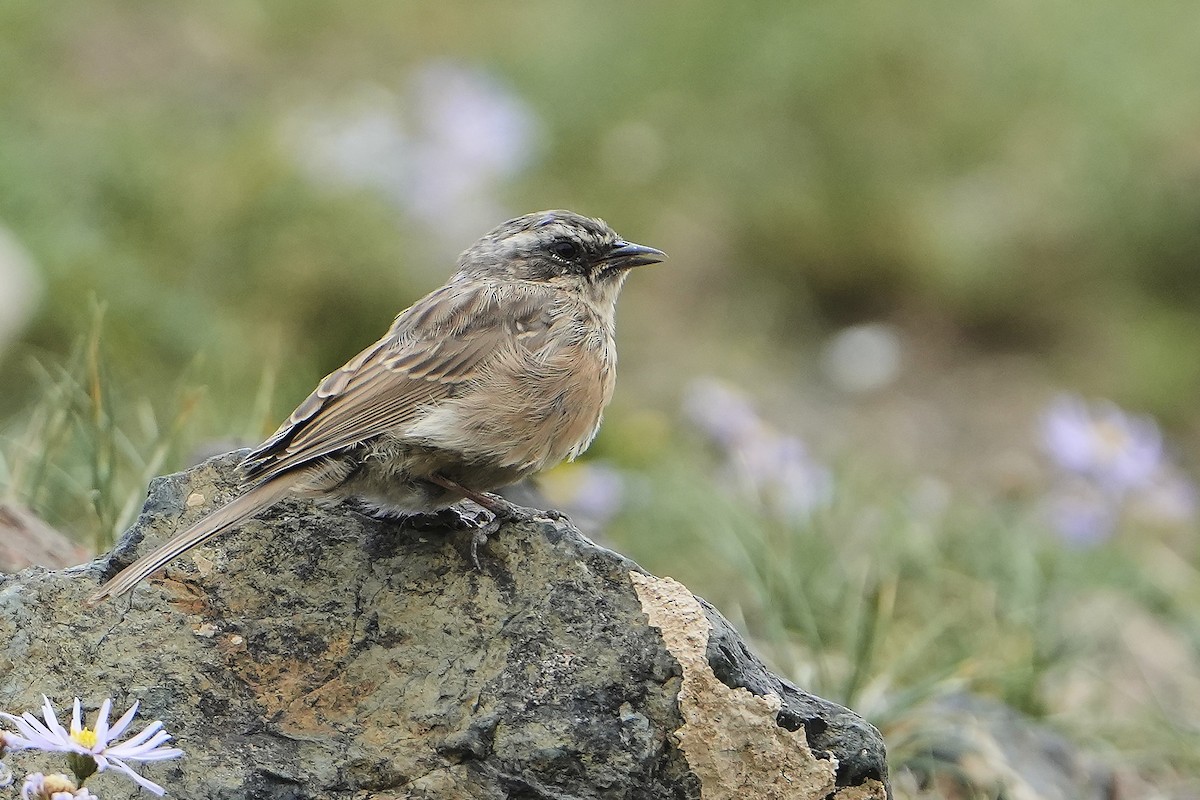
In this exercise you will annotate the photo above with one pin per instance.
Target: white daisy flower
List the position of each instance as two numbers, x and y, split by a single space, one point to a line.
97 744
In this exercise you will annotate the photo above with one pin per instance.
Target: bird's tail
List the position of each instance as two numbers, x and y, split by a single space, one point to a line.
234 512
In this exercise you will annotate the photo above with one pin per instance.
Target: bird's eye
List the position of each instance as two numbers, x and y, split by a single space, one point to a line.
565 249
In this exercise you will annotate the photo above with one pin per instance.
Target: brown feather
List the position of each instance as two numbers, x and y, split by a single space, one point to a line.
235 511
389 383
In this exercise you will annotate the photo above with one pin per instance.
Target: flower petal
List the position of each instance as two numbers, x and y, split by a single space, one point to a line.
35 735
52 720
124 721
146 783
149 732
149 750
36 724
102 725
161 754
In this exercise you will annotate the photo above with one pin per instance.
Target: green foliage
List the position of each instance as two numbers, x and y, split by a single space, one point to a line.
1016 173
82 455
865 589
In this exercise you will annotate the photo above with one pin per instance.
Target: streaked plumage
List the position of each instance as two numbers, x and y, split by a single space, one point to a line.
500 373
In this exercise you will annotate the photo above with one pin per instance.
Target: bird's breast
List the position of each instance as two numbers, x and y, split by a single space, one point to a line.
529 408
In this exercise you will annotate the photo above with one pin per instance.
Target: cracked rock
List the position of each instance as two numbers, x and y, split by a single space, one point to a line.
315 652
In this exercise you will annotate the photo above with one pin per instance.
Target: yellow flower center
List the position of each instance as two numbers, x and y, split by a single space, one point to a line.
85 738
1114 440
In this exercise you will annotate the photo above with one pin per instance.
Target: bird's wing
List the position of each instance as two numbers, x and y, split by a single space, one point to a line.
441 342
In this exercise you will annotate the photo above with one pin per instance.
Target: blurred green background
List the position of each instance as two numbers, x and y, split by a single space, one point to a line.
207 207
1004 175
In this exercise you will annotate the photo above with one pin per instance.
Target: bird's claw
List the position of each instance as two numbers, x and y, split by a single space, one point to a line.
479 537
481 521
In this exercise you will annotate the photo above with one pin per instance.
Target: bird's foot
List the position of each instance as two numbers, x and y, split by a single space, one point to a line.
481 516
503 509
500 511
477 522
479 537
506 511
503 512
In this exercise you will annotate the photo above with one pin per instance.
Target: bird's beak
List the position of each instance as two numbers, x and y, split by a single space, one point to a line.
626 254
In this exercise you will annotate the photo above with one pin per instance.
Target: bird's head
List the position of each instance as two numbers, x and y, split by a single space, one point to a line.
560 249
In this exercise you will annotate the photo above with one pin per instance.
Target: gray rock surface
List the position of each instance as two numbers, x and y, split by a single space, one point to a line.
318 653
964 745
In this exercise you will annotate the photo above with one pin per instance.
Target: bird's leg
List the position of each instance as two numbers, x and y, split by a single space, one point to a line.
502 511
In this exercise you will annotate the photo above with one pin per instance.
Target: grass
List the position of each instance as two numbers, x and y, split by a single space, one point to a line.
82 455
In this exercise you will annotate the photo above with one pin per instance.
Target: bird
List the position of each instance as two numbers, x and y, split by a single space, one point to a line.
502 372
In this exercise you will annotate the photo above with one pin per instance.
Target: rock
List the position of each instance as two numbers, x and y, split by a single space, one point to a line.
318 653
962 745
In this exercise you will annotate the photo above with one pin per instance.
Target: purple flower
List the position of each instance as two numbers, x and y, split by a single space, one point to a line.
1102 443
441 150
599 491
98 743
779 472
474 133
1111 466
1082 515
773 469
722 414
